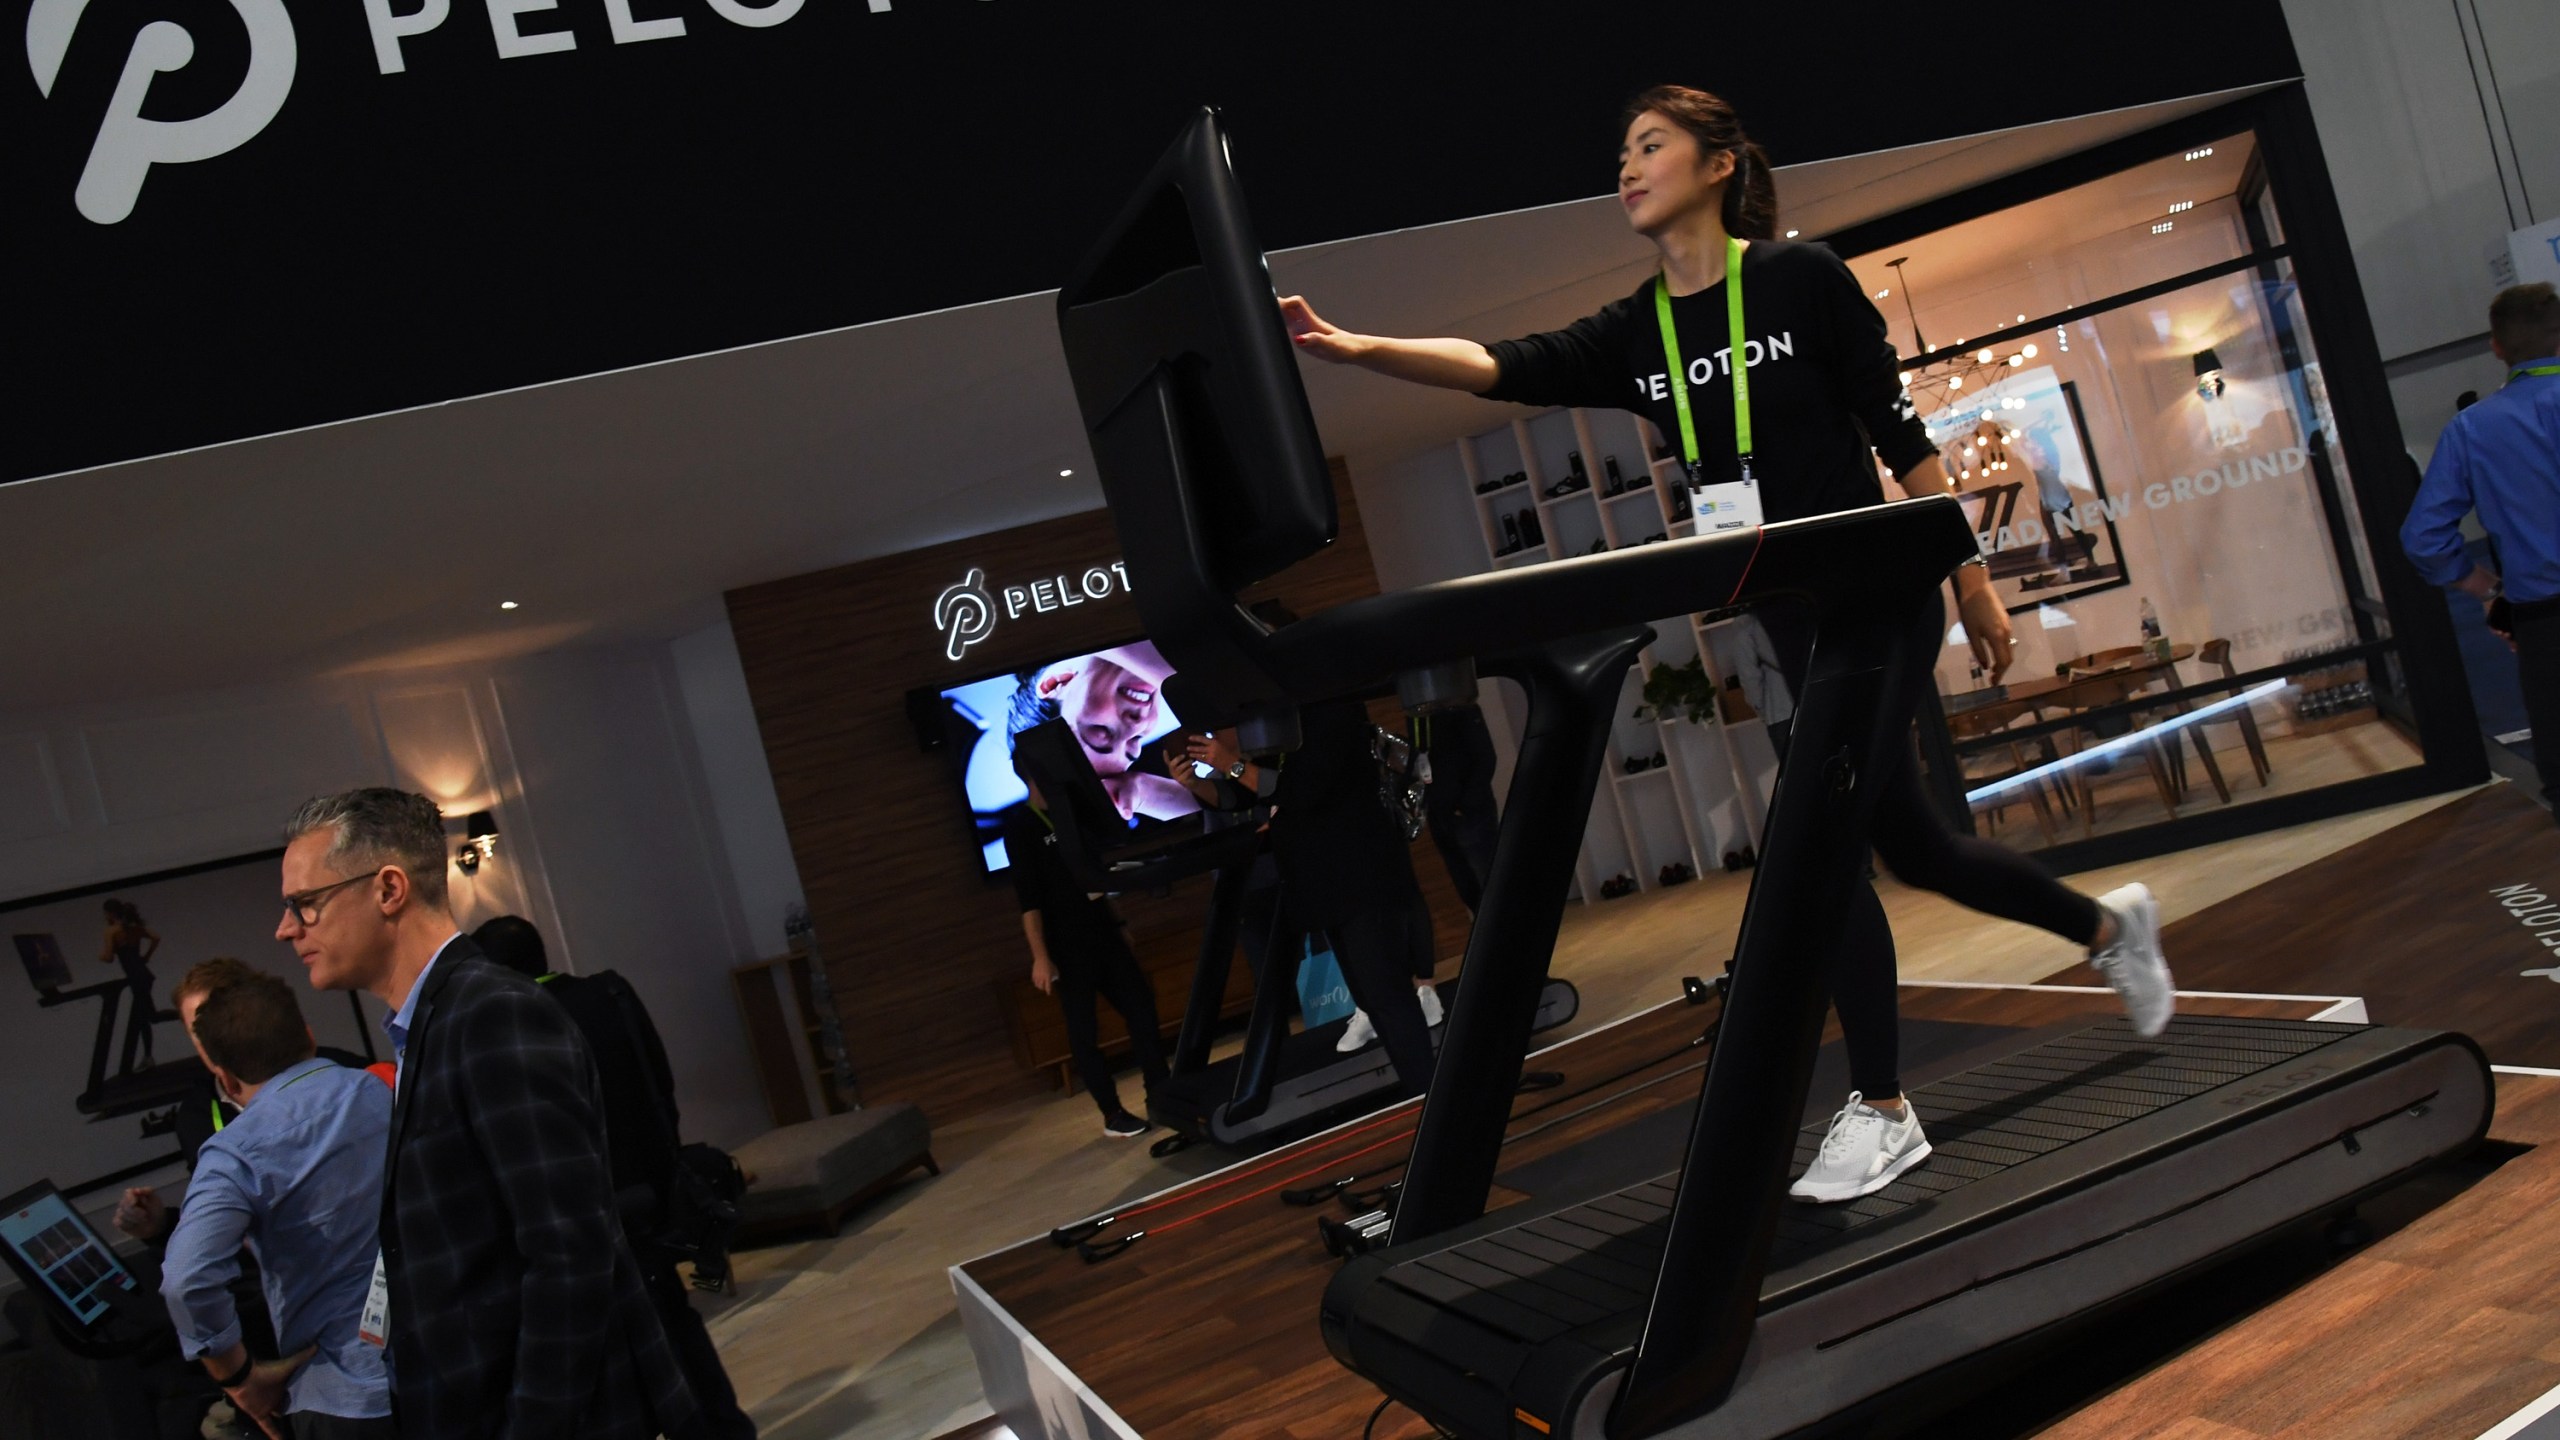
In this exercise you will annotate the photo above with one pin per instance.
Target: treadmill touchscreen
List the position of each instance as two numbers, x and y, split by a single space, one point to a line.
54 1250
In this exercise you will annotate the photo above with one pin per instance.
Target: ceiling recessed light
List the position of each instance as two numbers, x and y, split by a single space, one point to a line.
1063 474
1793 234
1882 293
506 604
2164 227
2200 153
2181 206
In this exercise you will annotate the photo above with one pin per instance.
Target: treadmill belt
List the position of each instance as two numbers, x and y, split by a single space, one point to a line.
1554 1273
1652 1144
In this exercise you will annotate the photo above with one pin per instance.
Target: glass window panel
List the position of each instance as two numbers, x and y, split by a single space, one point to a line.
2134 228
2162 476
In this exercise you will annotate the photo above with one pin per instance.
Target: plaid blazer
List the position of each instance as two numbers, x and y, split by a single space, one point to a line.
516 1309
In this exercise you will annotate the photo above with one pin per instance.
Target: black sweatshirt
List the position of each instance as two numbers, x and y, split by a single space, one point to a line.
1825 384
1070 920
1340 854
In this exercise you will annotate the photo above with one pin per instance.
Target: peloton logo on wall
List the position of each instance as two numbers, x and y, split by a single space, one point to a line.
128 145
2532 908
966 612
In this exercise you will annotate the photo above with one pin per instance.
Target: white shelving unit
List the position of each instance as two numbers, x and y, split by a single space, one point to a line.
1709 794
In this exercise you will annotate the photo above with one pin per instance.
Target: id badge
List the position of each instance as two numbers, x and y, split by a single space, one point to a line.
374 1326
1722 509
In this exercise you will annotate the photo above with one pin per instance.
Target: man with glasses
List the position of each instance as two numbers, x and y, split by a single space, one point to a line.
507 1296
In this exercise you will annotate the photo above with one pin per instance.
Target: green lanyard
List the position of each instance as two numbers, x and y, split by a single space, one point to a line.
2548 367
289 1084
1735 363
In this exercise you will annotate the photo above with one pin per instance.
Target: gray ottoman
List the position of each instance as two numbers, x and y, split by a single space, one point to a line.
813 1174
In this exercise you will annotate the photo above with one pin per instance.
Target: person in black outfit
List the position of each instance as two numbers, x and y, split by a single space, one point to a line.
641 1128
1458 804
1345 870
1825 399
1078 952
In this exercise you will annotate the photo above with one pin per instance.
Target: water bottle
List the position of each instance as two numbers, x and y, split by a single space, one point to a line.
2154 644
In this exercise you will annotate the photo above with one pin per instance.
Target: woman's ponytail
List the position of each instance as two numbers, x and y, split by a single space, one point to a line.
1751 195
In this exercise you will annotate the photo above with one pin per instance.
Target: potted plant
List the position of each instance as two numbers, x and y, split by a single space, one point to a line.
1681 689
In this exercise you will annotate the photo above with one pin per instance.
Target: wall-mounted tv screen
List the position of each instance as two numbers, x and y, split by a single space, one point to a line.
1113 702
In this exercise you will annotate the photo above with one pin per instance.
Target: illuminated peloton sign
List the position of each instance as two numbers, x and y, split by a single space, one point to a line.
966 613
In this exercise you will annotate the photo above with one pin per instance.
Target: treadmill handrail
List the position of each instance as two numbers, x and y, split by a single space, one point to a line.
1907 545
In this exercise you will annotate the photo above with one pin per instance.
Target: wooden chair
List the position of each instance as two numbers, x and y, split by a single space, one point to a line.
2218 653
1989 720
2174 753
2097 692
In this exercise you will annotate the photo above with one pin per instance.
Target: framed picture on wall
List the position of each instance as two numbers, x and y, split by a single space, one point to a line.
2019 453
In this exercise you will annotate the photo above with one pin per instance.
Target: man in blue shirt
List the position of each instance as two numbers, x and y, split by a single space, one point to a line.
2502 458
297 1178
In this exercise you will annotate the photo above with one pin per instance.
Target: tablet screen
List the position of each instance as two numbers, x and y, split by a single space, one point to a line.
55 1248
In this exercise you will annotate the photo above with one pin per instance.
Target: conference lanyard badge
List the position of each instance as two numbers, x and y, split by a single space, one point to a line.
1734 504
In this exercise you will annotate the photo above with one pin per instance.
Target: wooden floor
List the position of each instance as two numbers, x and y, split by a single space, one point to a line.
2410 921
2441 1329
1206 1327
854 1337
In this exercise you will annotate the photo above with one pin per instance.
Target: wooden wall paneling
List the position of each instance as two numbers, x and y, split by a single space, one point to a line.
918 945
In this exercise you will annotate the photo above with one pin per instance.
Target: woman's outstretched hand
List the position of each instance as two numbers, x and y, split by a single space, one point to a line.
1316 335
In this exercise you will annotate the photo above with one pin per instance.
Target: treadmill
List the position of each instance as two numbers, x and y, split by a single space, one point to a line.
1282 1085
2068 1178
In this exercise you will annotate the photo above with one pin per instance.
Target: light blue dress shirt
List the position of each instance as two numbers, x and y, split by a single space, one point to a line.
396 1025
2502 458
298 1179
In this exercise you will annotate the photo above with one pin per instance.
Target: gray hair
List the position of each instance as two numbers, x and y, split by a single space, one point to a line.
378 826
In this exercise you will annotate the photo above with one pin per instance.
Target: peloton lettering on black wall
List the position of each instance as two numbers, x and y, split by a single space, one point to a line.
966 613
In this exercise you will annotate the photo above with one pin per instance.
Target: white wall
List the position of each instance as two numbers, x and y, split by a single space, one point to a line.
2441 124
723 719
614 839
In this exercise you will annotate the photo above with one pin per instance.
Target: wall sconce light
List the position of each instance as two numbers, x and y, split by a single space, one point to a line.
2208 375
480 841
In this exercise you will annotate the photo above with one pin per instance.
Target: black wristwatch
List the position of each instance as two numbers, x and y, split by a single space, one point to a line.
232 1380
1235 772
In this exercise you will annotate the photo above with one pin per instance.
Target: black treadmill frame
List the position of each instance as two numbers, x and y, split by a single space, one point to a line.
1215 478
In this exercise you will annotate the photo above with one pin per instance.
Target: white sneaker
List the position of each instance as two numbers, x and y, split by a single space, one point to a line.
1358 1035
1430 998
1864 1152
2133 964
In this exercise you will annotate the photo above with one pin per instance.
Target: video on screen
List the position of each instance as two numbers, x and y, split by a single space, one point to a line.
1110 699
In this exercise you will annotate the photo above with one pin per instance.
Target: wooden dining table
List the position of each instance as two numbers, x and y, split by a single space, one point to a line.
2046 697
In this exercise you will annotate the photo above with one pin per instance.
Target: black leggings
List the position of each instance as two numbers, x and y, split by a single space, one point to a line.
1101 965
1922 853
1459 803
1375 947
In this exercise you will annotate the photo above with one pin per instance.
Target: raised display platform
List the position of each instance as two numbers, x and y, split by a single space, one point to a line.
1207 1325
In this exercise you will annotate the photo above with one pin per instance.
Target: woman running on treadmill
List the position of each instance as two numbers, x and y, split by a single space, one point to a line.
131 944
1823 399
